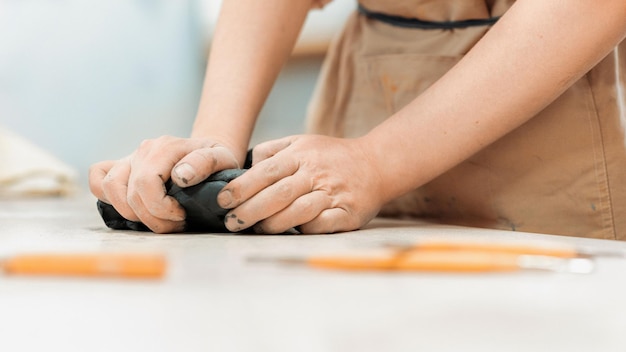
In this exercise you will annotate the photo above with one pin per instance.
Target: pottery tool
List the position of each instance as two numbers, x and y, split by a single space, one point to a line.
139 266
441 261
552 251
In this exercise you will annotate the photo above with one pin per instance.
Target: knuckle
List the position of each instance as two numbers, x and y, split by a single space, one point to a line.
165 139
146 144
209 159
284 191
132 199
272 170
141 181
261 150
93 170
306 204
108 181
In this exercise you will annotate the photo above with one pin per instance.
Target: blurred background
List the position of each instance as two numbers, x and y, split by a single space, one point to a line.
89 80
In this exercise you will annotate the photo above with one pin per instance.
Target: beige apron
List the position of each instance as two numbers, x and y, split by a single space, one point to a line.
563 172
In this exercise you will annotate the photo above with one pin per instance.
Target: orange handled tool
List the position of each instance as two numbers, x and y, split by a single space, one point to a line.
439 261
560 252
442 261
150 266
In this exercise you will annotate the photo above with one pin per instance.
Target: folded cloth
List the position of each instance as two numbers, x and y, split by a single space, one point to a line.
27 170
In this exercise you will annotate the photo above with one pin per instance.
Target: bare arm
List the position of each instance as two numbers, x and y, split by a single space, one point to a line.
534 53
253 40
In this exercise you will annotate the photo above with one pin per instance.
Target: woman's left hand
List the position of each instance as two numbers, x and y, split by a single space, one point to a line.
319 184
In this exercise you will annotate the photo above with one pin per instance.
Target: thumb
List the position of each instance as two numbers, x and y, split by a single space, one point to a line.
199 164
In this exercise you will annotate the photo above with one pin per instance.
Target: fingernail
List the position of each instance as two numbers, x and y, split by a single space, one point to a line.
225 199
185 173
233 223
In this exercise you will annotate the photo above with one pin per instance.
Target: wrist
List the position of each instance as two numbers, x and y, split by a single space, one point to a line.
234 132
239 150
384 183
394 165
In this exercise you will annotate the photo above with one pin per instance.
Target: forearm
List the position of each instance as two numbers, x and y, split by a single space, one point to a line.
253 39
532 55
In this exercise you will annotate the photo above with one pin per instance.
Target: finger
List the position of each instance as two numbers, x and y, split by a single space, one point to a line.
97 172
201 163
154 223
330 221
147 194
269 149
151 168
115 189
301 211
259 177
268 202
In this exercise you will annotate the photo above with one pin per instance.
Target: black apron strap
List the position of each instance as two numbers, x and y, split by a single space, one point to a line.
400 21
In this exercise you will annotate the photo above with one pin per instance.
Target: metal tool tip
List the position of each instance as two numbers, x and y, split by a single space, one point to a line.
603 253
561 265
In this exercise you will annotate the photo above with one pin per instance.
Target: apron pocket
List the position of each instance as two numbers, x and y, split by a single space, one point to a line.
385 84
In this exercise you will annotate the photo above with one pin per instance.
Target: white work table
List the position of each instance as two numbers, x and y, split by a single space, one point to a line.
212 299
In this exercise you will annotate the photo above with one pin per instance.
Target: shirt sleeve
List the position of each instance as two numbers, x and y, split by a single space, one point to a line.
318 4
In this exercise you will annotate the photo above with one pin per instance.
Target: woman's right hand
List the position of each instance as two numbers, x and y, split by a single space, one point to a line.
243 65
135 185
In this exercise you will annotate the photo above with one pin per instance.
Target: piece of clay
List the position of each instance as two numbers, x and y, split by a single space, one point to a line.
199 202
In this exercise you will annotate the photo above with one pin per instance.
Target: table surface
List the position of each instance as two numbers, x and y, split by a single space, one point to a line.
214 300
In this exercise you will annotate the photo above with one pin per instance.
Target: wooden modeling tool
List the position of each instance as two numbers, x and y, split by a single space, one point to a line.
135 266
440 261
552 251
448 258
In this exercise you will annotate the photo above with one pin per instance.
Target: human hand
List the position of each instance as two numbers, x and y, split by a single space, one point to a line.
135 185
319 184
